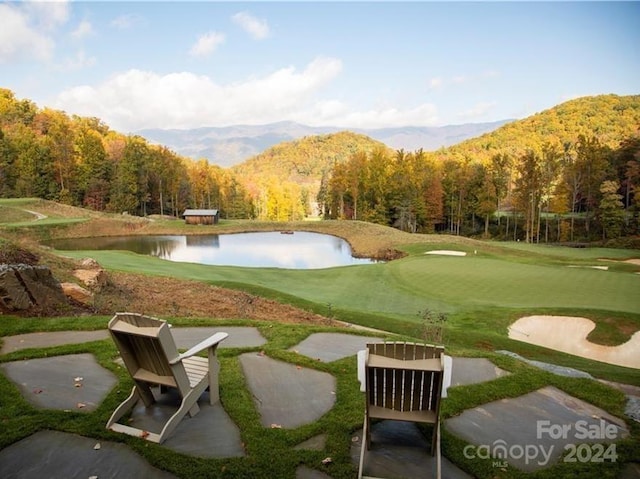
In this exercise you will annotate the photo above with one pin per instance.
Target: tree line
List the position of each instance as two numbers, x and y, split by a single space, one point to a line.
574 191
79 161
560 190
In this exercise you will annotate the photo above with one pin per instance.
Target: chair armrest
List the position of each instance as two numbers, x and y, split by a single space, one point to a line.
201 346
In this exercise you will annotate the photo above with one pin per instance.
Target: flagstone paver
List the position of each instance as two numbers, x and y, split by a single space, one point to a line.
73 382
328 347
474 370
210 433
544 421
239 336
286 395
60 455
49 339
400 450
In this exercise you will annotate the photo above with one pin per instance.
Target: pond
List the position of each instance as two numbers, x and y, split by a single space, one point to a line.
292 250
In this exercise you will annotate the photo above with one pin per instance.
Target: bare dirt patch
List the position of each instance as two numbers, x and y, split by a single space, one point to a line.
162 296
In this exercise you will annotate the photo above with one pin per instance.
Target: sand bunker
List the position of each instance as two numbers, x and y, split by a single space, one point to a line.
447 252
569 334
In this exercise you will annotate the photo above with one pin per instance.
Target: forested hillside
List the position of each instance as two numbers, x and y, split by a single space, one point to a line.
571 173
294 170
79 161
609 118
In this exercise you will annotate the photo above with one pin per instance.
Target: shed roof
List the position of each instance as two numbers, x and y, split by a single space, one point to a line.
200 213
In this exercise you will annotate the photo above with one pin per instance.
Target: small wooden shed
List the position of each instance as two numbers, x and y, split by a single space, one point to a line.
201 217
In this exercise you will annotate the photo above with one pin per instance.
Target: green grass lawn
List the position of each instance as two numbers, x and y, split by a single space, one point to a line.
402 288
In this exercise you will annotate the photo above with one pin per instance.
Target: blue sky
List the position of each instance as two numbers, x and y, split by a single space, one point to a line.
359 64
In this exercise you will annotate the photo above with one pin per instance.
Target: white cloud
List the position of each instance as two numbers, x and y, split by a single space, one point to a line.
19 39
47 14
136 99
126 21
78 62
83 29
477 111
206 44
435 83
256 27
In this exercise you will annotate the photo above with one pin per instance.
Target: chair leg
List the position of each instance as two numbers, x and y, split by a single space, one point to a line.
145 393
189 402
124 407
364 445
214 370
438 456
435 437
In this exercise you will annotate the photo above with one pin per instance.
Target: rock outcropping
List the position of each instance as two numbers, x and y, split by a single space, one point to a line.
24 287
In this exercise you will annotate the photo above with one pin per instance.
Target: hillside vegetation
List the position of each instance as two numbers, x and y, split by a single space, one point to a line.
610 118
569 173
294 171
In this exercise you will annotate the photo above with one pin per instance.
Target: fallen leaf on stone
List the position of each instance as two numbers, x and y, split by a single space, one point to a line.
144 434
298 367
327 460
97 446
80 405
78 379
37 391
93 477
355 439
78 385
276 426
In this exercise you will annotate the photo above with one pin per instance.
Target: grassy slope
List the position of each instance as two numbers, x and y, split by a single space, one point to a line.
403 287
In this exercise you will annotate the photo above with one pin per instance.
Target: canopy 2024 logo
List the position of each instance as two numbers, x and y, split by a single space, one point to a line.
583 446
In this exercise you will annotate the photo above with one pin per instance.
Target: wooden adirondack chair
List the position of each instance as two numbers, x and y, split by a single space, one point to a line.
149 352
403 382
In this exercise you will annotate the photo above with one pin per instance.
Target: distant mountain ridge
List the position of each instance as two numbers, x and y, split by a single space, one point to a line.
230 145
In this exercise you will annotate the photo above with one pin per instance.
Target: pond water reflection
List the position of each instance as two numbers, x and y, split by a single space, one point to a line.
299 250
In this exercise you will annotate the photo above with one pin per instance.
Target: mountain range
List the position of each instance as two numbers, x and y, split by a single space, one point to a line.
230 145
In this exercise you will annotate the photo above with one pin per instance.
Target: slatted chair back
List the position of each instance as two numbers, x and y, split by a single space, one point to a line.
147 348
404 388
403 382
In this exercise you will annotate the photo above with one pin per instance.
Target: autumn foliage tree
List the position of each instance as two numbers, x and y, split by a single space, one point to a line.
80 161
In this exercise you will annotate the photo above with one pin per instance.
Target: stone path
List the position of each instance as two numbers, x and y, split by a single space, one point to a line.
285 395
47 340
75 382
59 455
534 428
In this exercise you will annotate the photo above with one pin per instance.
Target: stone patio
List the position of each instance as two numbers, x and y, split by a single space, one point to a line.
286 396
